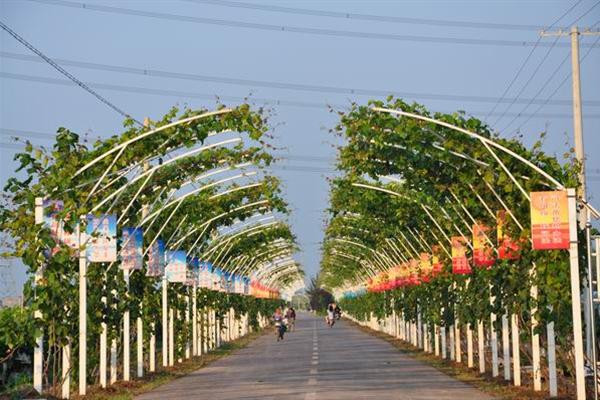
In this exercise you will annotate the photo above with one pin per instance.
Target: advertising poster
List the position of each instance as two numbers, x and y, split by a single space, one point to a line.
549 220
436 264
508 249
176 269
102 238
425 265
132 255
205 275
460 262
70 239
483 254
156 259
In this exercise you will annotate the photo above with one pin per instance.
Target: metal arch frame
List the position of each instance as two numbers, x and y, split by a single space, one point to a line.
149 133
155 168
488 142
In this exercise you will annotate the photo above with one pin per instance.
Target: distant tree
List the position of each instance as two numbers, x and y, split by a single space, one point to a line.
318 297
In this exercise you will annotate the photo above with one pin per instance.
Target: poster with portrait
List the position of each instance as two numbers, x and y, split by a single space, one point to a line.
101 238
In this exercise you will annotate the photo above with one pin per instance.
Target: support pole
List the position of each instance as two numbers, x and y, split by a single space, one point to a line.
152 352
82 312
171 337
576 296
66 371
113 361
552 385
505 347
194 322
469 346
38 351
126 333
516 352
165 324
140 347
481 346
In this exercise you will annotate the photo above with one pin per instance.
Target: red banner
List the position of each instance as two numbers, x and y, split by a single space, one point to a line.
483 255
436 265
549 220
460 263
508 249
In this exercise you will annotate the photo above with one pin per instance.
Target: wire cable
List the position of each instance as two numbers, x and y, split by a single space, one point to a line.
526 60
561 84
292 29
66 73
368 17
271 84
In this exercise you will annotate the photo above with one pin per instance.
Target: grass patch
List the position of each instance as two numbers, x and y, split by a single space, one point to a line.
496 387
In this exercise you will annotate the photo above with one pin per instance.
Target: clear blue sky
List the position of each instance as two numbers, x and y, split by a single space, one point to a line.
422 68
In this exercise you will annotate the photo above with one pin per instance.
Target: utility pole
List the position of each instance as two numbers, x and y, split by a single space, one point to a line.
584 220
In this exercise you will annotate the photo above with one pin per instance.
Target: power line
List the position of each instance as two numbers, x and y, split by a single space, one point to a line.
526 60
543 60
369 17
275 102
292 29
66 73
555 90
274 84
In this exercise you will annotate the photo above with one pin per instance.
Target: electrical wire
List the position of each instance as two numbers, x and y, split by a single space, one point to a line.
273 84
526 60
561 84
368 17
66 73
290 29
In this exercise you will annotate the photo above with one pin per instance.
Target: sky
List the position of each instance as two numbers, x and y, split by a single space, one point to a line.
447 55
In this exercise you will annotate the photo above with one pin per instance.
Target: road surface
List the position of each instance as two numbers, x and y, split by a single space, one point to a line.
316 362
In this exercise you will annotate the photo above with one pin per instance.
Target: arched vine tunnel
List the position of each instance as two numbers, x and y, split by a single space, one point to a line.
172 238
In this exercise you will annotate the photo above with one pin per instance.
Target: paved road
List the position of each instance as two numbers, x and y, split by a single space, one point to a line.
316 362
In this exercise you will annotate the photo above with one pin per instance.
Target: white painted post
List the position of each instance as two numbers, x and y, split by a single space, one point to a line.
171 345
469 346
38 351
443 341
458 351
187 322
436 344
113 361
205 330
82 312
481 346
505 347
576 296
535 345
494 343
66 371
552 386
165 323
103 350
452 344
126 334
217 330
140 347
152 352
419 331
516 352
194 322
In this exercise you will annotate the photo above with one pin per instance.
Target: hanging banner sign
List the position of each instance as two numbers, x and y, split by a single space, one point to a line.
205 279
176 269
436 265
156 259
483 255
51 210
460 263
425 264
508 249
132 255
194 271
549 220
102 238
